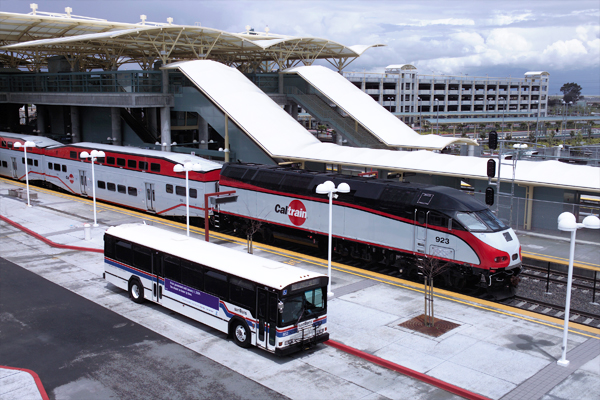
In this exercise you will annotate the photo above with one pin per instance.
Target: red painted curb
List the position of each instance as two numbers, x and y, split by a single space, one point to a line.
407 371
36 378
47 241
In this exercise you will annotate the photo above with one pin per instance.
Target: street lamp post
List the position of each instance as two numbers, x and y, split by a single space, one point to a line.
329 189
503 112
93 156
568 223
25 145
537 122
187 167
420 115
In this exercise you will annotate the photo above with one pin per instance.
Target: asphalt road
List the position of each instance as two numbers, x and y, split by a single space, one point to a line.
81 350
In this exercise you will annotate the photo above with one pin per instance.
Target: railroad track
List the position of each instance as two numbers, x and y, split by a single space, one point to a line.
552 310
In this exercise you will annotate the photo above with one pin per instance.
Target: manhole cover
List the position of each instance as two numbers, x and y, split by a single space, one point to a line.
438 329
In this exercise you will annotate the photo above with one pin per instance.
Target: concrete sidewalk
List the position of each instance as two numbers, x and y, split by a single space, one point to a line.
494 352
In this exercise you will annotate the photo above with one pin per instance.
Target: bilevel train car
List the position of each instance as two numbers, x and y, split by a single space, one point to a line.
257 301
384 221
137 178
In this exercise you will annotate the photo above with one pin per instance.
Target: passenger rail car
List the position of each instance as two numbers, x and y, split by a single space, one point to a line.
260 302
137 178
379 220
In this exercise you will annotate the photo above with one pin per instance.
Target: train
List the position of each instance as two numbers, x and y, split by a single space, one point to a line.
398 224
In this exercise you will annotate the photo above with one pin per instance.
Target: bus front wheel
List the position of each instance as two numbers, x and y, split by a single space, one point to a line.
241 333
136 291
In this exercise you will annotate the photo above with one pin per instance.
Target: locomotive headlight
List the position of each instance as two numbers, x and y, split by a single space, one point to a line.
500 259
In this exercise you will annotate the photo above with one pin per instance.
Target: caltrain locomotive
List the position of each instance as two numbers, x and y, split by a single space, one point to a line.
386 221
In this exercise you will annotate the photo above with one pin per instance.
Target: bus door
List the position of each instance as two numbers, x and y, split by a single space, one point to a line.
157 269
82 182
150 196
267 320
13 163
420 231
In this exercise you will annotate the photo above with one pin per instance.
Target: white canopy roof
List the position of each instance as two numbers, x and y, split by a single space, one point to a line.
282 137
380 122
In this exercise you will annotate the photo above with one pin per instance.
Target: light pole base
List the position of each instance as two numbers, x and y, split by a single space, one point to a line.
563 363
329 295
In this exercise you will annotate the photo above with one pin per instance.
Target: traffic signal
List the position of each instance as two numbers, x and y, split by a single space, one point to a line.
489 196
493 141
491 168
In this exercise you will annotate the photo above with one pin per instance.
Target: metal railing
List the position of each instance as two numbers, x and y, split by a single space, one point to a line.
84 82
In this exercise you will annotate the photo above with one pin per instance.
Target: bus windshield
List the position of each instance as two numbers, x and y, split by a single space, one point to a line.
302 305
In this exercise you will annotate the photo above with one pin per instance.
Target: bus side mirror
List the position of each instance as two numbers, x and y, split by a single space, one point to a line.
280 306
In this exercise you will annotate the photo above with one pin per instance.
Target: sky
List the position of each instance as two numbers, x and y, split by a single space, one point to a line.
498 38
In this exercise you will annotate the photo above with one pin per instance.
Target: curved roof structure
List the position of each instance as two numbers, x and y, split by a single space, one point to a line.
93 43
283 138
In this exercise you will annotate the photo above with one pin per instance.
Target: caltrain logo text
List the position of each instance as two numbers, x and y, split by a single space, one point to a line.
295 211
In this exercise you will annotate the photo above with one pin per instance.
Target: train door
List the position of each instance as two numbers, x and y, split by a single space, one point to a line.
267 320
157 270
420 231
82 182
150 196
13 163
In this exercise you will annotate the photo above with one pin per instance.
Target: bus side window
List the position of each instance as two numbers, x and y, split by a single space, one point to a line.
216 283
142 258
191 275
123 252
242 293
172 269
109 246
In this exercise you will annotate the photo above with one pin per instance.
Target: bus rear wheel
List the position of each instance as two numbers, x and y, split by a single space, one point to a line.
136 291
241 333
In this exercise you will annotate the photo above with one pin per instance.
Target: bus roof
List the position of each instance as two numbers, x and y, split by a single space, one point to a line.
260 270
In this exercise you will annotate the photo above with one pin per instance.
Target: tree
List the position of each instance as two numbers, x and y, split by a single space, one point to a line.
430 267
571 92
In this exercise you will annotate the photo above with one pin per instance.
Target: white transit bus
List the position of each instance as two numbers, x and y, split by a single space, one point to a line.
260 302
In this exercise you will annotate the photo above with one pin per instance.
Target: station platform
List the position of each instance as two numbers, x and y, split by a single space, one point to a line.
493 351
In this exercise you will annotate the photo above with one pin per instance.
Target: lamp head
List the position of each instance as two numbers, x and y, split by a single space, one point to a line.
17 145
591 222
325 187
178 168
566 222
343 188
84 154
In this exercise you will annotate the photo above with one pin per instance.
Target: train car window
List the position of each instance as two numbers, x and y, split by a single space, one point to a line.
193 193
110 160
22 160
3 143
121 189
242 293
180 190
35 163
192 275
437 219
142 258
9 145
155 167
169 188
132 191
101 185
4 164
131 164
29 161
143 165
111 186
57 167
64 168
123 252
216 283
73 154
121 162
172 268
49 165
